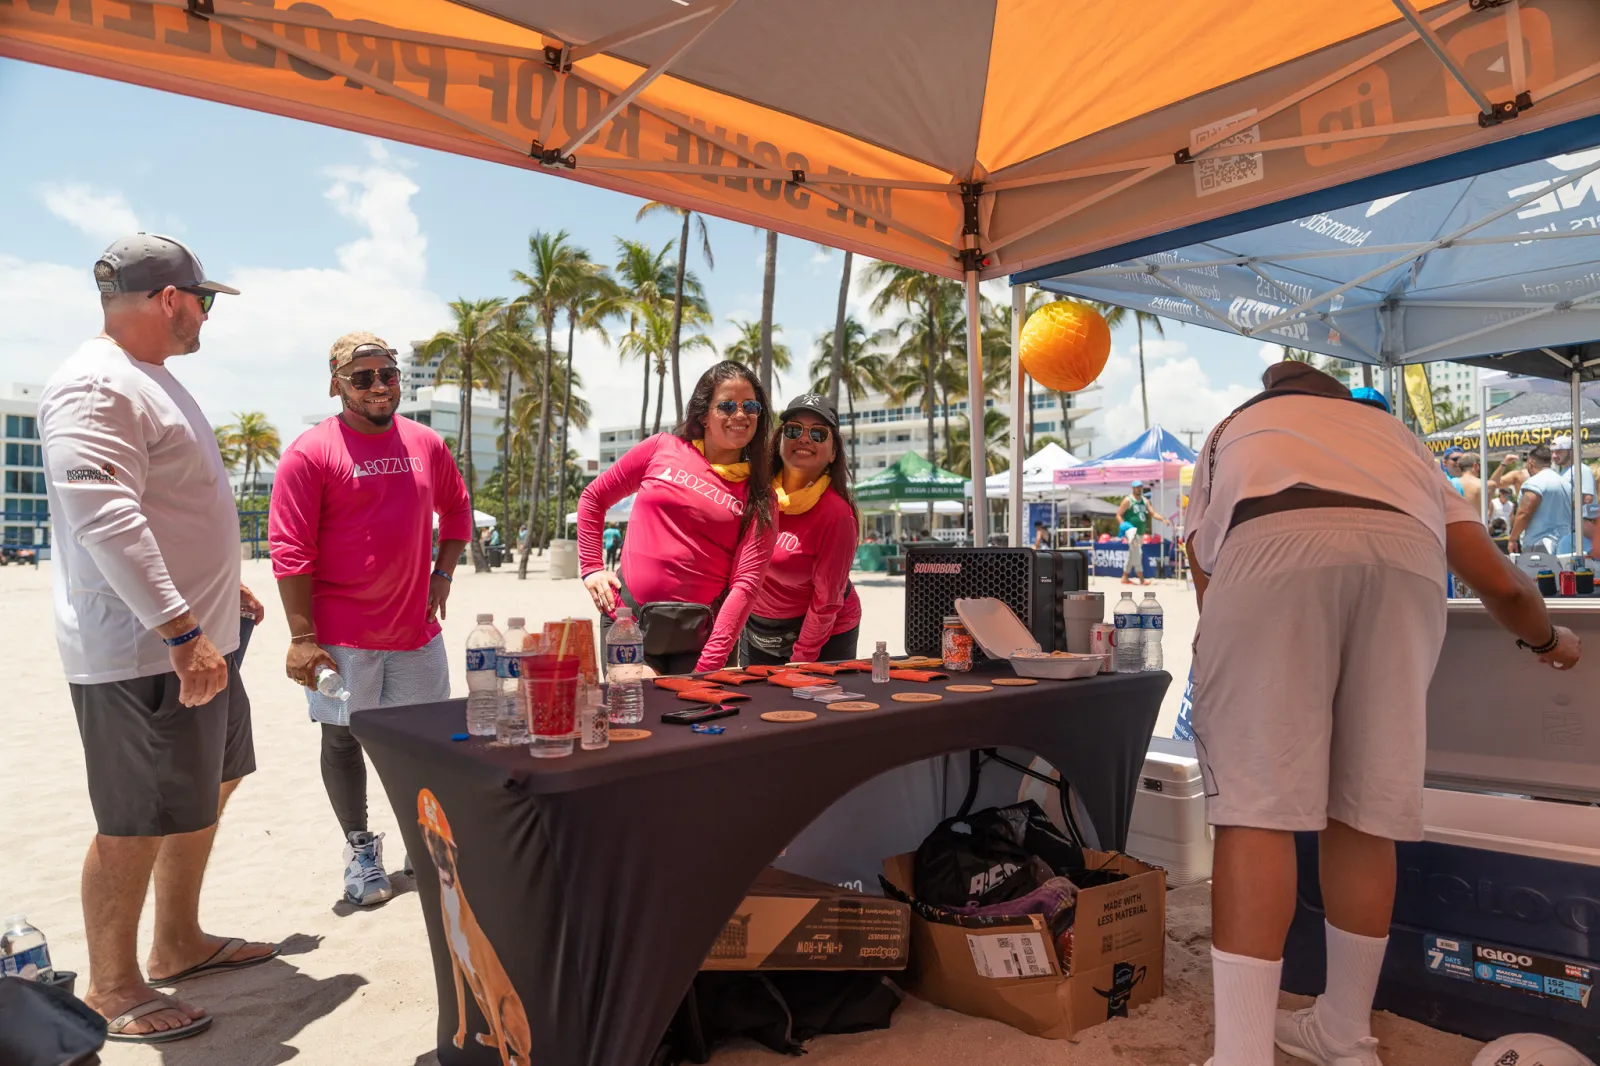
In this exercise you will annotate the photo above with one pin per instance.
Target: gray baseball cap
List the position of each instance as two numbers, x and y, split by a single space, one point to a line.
148 262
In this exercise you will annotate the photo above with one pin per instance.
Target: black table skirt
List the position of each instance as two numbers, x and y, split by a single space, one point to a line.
588 889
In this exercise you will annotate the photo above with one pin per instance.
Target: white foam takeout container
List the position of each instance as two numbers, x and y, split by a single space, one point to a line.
1001 635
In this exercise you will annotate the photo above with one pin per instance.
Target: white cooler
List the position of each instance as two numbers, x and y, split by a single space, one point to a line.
1169 827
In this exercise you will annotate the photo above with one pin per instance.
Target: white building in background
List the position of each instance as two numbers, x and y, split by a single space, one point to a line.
416 372
27 511
439 407
885 430
1462 383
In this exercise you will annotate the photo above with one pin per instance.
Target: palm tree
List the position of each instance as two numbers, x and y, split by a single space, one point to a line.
858 370
748 347
645 278
250 439
594 298
230 452
1002 325
840 344
555 266
466 357
656 207
769 281
516 353
995 426
1117 315
921 295
651 340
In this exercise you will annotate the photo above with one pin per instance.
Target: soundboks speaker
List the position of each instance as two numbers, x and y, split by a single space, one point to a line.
1030 582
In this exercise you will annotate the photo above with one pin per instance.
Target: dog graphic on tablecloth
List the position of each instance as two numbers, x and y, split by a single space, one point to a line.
472 957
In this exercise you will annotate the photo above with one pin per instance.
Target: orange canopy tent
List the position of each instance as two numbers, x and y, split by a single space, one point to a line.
968 138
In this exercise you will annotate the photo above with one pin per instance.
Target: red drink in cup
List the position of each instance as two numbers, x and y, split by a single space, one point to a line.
550 688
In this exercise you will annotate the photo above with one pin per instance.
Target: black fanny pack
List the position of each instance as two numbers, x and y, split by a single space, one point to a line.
671 627
773 636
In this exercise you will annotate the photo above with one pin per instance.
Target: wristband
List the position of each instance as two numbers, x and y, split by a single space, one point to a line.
1547 646
303 638
181 638
447 577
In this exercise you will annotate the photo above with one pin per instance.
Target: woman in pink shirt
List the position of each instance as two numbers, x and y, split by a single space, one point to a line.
806 609
701 530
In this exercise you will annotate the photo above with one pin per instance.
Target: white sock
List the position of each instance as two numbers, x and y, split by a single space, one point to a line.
1246 995
1344 1011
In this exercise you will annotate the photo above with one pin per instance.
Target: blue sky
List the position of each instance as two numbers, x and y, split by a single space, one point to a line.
327 231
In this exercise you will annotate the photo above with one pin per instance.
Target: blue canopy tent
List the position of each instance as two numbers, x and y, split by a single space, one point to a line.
1154 445
1499 270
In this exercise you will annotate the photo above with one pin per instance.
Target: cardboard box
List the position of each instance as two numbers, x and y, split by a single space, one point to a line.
789 922
1010 970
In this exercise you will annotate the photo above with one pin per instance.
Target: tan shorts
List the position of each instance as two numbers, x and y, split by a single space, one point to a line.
1316 646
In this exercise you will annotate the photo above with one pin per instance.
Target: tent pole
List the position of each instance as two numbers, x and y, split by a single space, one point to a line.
1577 461
1483 456
975 412
1019 303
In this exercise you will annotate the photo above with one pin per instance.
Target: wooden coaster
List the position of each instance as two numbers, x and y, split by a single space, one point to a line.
853 705
1010 682
969 688
788 716
916 697
629 734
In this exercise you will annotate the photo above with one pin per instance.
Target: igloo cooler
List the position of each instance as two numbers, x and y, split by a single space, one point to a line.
1497 911
1169 827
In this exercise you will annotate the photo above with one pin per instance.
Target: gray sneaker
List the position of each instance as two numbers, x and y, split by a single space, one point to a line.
1298 1033
365 883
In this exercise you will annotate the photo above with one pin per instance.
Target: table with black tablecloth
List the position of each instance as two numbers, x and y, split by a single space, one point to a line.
588 889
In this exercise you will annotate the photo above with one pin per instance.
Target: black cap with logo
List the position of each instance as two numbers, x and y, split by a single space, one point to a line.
817 404
149 262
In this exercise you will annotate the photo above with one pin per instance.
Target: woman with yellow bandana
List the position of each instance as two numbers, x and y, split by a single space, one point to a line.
701 529
806 609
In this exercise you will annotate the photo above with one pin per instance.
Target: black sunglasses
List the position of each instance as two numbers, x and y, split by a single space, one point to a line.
750 407
205 296
362 379
818 434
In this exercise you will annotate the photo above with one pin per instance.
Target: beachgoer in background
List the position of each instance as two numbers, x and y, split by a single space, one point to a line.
147 604
1133 518
1510 473
1501 509
1449 461
1543 521
1468 483
702 527
1041 536
1320 535
353 506
1561 460
806 609
612 540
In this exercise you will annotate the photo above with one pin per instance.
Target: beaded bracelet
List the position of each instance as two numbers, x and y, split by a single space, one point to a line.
1547 646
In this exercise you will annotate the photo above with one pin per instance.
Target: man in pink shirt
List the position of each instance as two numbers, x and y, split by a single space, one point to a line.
353 504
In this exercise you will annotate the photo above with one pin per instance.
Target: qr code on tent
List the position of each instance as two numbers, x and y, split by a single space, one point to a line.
1213 174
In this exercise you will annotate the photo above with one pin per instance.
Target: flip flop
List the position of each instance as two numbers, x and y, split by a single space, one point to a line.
220 961
115 1027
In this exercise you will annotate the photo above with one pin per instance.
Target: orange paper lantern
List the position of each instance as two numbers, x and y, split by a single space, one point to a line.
1065 345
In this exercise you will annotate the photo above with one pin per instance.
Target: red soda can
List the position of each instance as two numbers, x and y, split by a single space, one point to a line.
1103 641
1567 582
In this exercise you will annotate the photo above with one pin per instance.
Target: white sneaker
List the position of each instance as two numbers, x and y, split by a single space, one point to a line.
1298 1033
365 883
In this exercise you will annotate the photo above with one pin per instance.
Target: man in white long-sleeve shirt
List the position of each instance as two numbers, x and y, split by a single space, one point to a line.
147 599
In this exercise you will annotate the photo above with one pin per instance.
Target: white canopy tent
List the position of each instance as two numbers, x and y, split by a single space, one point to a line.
1038 474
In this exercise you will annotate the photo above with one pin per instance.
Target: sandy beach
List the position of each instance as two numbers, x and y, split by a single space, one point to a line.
355 986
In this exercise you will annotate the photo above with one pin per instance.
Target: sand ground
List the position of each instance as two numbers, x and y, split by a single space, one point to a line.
354 986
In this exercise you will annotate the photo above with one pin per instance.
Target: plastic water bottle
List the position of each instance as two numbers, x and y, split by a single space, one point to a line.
511 725
624 657
331 685
483 686
1129 658
23 951
880 663
1151 621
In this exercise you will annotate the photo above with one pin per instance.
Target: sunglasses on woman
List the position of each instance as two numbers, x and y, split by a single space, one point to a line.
363 379
727 408
818 434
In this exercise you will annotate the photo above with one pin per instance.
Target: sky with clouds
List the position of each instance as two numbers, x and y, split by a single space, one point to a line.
326 231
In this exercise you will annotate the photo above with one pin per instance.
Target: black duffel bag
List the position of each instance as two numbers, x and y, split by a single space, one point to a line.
992 856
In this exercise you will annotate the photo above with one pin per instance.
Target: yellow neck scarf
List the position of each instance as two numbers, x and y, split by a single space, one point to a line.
802 501
726 471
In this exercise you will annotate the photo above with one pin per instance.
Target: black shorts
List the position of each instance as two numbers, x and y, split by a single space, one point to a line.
155 766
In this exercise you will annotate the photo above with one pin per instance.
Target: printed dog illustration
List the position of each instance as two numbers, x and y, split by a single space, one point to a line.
472 957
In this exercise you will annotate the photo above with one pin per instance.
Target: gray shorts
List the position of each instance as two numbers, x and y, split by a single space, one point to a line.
383 679
1318 641
155 766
